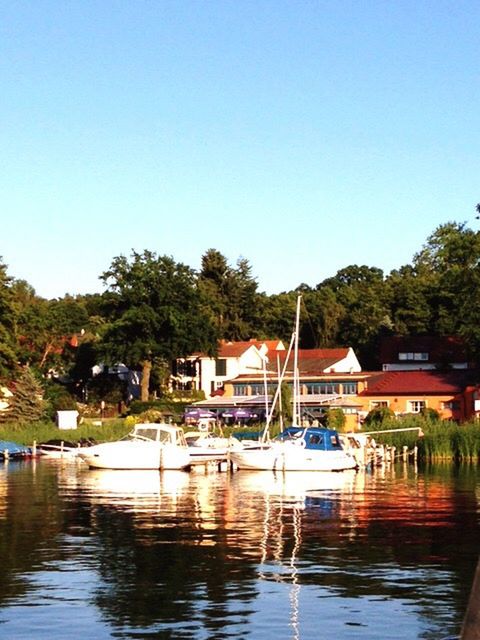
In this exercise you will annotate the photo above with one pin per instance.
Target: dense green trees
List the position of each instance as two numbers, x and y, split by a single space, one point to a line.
154 314
155 309
7 323
229 296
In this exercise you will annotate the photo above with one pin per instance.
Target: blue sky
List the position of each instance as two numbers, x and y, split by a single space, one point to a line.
304 136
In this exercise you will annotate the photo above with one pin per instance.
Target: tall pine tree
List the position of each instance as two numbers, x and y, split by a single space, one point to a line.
27 404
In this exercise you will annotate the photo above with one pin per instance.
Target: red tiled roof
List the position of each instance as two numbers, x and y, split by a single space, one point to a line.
272 345
228 349
233 349
418 382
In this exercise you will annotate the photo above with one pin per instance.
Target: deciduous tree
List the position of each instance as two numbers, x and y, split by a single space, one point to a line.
155 313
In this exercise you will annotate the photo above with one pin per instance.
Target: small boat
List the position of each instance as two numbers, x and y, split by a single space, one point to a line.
207 447
10 449
297 449
148 446
61 449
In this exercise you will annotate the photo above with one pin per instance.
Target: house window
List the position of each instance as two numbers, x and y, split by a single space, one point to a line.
259 389
375 404
322 388
413 355
349 388
186 368
453 405
240 389
415 406
221 367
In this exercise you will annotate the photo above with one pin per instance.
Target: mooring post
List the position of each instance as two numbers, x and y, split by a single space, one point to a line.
471 622
405 454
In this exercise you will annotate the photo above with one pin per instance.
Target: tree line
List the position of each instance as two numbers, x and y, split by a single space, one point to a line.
154 310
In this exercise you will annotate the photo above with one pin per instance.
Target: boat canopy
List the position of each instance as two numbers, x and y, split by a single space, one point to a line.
317 438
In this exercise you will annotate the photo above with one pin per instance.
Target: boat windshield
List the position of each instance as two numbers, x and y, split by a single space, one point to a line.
147 433
335 441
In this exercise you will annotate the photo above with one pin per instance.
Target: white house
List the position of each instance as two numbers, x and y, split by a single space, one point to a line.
201 372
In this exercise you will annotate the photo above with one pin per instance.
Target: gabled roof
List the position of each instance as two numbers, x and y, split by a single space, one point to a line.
311 362
439 348
419 383
234 349
272 345
228 349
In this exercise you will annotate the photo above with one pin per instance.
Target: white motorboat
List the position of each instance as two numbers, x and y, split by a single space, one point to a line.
207 446
148 446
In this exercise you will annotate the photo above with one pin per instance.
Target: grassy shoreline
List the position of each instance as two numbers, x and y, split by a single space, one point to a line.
110 429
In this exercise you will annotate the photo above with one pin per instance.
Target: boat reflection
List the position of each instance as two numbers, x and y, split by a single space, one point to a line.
289 508
132 488
299 485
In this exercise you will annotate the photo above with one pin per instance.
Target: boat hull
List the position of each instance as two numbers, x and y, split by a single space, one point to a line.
136 455
288 457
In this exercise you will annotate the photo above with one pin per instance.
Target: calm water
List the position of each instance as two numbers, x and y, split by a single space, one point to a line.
113 554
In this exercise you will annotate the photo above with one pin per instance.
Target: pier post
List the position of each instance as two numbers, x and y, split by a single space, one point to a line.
405 454
471 623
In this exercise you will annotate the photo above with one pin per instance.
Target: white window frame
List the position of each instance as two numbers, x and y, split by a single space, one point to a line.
415 406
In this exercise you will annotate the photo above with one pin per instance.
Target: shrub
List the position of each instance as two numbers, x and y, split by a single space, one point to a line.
378 416
131 421
137 407
58 398
335 419
430 414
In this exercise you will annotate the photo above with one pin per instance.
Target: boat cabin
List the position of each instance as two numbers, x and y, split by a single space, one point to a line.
159 432
316 438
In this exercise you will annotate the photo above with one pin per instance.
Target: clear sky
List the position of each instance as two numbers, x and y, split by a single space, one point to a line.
302 135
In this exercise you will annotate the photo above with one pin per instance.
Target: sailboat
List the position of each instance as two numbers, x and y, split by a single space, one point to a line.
297 448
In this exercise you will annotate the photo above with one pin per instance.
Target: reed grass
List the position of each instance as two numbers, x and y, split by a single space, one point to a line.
441 440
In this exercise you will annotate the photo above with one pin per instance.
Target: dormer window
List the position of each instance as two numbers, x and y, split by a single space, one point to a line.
413 355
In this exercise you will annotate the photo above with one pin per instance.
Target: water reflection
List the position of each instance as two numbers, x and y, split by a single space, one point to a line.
253 554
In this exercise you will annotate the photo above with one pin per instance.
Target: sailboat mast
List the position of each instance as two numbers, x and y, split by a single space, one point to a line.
296 408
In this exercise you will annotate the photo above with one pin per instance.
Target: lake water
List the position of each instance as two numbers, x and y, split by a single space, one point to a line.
112 554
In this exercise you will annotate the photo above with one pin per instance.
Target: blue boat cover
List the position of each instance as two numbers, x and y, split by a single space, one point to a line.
318 438
13 448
